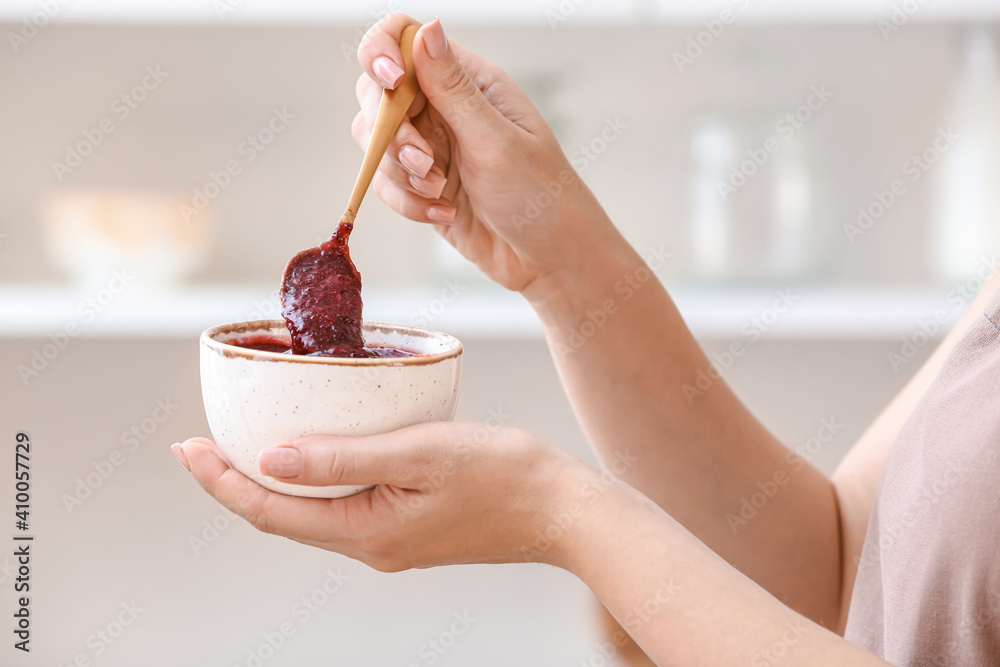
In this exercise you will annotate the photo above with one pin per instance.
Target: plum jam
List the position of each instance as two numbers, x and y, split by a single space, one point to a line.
272 344
321 300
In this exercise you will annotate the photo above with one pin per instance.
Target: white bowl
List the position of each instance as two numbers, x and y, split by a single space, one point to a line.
255 399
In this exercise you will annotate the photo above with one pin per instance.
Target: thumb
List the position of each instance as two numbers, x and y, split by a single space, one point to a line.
449 86
398 458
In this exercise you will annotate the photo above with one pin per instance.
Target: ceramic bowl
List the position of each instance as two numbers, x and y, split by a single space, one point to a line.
256 399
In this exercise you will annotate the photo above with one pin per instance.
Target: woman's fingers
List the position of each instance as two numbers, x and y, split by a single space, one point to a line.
408 149
410 204
369 93
298 518
431 185
402 182
452 90
409 167
331 461
404 162
379 50
415 160
404 458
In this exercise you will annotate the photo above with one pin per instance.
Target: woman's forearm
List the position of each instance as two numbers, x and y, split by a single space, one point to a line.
680 601
629 364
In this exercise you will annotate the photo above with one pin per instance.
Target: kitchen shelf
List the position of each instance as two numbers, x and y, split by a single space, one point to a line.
527 12
481 313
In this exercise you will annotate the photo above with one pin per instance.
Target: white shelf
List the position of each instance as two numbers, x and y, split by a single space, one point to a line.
527 12
185 313
726 314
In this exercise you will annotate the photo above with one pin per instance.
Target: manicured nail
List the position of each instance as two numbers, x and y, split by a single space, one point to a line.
178 451
415 160
431 186
434 39
280 461
387 72
441 214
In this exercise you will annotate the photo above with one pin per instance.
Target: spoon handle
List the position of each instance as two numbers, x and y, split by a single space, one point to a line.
391 112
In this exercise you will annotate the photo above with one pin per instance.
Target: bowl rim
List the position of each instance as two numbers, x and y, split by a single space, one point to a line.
227 350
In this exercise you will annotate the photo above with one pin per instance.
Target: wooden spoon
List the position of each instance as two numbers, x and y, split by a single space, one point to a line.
321 288
392 110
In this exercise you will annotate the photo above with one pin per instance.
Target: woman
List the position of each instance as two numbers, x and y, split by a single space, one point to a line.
903 569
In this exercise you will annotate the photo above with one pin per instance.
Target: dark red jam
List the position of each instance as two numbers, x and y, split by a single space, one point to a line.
272 344
321 300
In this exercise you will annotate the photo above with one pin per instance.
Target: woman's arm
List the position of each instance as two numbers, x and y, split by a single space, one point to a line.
680 601
700 453
640 383
487 154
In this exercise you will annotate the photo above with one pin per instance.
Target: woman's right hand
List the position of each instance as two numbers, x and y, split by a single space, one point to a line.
476 159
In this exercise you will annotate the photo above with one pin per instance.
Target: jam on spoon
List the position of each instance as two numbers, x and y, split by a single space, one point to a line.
321 300
321 288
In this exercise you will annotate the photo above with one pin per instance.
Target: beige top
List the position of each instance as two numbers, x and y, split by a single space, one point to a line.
928 586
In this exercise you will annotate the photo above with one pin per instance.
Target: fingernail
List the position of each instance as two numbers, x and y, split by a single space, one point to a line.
431 186
415 160
387 72
280 461
434 40
178 451
442 214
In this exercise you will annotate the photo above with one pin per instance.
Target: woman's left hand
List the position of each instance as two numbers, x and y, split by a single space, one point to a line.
445 493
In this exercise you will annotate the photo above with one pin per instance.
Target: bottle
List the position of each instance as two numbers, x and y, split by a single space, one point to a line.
966 227
750 197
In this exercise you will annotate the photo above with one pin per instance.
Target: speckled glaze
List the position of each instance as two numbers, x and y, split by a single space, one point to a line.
257 399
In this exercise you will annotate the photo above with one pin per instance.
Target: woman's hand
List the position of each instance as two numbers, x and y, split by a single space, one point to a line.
478 160
446 493
466 493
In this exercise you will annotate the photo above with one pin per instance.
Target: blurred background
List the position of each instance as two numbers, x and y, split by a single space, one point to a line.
161 161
